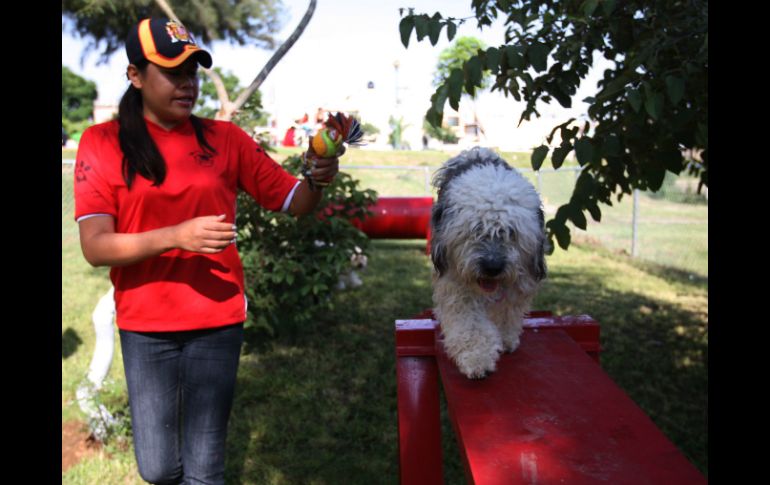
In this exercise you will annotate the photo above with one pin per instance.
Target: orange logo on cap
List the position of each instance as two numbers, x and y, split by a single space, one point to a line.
177 33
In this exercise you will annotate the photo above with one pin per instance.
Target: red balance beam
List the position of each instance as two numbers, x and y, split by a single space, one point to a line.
398 218
549 414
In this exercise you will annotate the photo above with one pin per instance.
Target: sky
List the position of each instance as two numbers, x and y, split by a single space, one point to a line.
346 45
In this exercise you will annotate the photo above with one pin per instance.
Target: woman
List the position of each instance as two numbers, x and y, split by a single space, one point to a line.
155 199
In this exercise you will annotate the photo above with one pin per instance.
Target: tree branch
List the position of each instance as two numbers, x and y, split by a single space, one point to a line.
168 11
276 57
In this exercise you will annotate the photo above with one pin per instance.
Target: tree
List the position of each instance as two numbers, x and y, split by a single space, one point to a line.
77 100
649 109
105 23
243 22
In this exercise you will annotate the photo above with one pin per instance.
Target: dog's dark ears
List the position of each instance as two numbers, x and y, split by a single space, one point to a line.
540 268
437 250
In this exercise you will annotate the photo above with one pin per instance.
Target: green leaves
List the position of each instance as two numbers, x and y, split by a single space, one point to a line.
434 28
557 228
634 99
537 53
493 59
608 6
577 217
538 156
455 88
654 106
611 146
425 27
593 209
439 98
675 89
584 150
560 153
405 28
655 176
433 116
514 58
473 74
584 187
653 102
451 31
555 90
589 6
421 26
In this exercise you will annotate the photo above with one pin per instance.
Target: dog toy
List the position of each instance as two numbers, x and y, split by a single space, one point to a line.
326 143
339 129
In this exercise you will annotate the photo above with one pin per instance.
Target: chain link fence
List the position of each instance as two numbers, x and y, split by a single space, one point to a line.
671 225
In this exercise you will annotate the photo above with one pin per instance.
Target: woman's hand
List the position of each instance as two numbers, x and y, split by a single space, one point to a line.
102 246
324 170
208 234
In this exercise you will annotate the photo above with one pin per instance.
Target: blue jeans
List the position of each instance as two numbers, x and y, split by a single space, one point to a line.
180 391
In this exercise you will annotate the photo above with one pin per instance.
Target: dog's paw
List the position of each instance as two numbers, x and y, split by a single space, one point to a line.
475 365
511 344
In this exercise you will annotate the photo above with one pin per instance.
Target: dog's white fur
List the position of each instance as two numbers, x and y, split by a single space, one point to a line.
488 244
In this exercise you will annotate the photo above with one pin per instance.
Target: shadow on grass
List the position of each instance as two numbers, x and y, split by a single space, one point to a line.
70 341
322 408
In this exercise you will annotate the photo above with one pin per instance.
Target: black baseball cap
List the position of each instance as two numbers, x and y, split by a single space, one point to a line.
163 42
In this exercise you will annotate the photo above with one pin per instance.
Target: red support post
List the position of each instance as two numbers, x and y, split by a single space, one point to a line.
419 421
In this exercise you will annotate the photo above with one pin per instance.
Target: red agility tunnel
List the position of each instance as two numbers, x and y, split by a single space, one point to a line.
398 218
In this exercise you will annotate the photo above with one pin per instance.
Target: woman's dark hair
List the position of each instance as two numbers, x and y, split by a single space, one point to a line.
140 154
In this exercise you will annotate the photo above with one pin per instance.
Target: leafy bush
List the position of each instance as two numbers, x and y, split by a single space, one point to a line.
292 265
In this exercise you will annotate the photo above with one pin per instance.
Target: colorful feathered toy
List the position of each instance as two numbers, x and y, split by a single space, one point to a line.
326 143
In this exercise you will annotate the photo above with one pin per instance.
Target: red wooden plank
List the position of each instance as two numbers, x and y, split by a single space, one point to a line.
583 329
551 415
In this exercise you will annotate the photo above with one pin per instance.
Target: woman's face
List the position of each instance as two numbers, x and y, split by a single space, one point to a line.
168 94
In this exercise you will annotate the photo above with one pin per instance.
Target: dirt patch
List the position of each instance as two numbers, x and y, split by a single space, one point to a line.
76 443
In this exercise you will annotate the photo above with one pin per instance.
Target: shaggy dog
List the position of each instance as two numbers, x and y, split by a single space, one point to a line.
488 248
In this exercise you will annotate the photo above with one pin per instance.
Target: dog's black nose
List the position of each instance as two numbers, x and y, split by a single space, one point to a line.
492 266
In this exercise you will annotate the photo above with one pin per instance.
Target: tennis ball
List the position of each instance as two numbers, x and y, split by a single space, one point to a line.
326 142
